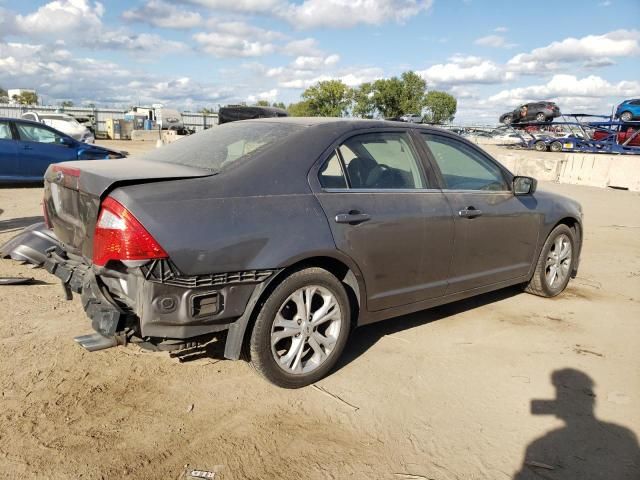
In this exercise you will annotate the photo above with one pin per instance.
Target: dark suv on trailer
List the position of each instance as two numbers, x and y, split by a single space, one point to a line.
532 112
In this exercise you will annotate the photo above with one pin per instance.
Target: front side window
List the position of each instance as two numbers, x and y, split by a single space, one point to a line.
5 131
34 133
462 167
381 161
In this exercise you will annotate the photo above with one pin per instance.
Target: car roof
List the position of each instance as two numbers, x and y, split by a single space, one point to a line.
342 123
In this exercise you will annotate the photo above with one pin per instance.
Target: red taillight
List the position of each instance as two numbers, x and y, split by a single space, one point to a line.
120 236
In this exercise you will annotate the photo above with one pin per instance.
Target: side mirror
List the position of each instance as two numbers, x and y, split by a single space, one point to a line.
524 185
67 141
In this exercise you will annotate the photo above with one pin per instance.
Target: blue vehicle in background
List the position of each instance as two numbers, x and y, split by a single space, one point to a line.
27 148
628 110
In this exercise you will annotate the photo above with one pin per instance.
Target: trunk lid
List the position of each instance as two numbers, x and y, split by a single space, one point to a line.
73 192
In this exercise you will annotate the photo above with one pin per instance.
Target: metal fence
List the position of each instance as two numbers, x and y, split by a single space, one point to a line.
196 121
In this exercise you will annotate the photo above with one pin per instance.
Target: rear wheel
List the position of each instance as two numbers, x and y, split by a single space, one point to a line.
507 120
626 116
556 146
301 329
541 117
555 264
540 146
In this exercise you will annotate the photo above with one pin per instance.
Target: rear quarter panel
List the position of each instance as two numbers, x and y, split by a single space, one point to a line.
209 233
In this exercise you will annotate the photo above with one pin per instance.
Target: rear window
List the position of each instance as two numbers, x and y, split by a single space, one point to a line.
220 146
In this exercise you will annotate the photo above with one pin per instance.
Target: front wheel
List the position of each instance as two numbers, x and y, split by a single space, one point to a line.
541 117
301 329
555 264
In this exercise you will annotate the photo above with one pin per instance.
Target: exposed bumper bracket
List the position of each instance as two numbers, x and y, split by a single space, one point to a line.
94 342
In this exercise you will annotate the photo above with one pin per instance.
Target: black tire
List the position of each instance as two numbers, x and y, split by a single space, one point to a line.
507 120
260 350
626 116
539 284
556 146
540 146
541 117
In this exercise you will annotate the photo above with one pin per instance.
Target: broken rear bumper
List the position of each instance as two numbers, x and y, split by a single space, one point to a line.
155 302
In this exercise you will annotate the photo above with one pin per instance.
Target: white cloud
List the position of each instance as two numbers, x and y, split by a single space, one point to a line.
60 17
143 42
243 6
568 86
557 55
270 96
237 39
501 29
465 70
347 13
164 15
305 46
351 77
495 41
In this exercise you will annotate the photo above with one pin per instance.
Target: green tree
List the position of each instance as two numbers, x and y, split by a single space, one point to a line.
330 98
3 92
279 105
363 104
413 97
66 104
300 109
262 103
387 97
26 98
441 107
391 97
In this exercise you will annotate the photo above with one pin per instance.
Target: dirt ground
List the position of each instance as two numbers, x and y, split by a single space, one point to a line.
442 394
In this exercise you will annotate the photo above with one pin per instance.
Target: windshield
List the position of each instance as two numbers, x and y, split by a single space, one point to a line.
218 147
70 120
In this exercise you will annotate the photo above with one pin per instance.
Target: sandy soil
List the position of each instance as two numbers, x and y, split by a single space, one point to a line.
443 394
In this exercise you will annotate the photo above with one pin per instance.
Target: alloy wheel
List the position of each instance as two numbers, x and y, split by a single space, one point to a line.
306 329
558 263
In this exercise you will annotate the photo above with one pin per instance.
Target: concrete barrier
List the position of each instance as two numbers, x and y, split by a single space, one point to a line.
596 170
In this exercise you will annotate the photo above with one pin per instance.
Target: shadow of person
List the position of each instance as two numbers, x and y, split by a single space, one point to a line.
585 448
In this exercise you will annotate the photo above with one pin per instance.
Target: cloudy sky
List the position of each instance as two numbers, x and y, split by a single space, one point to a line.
491 54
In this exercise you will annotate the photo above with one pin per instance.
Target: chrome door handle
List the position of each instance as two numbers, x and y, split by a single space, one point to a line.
470 212
352 218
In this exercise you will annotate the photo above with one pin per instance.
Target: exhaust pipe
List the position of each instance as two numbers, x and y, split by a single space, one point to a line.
94 342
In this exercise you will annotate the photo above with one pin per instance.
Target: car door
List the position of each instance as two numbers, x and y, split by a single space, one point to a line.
496 232
386 215
39 146
8 152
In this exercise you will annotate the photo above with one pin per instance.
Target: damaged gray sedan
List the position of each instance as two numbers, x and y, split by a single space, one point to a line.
285 234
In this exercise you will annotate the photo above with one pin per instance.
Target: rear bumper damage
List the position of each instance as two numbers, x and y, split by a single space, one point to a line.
157 306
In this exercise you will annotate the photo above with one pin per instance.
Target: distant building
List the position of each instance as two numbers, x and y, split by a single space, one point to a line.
16 92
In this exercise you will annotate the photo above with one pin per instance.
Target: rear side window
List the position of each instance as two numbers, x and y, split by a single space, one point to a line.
217 148
5 131
462 167
381 161
331 174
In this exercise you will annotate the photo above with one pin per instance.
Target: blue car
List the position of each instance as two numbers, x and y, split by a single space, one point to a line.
27 148
628 110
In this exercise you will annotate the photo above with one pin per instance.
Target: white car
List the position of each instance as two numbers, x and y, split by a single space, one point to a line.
64 123
411 118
